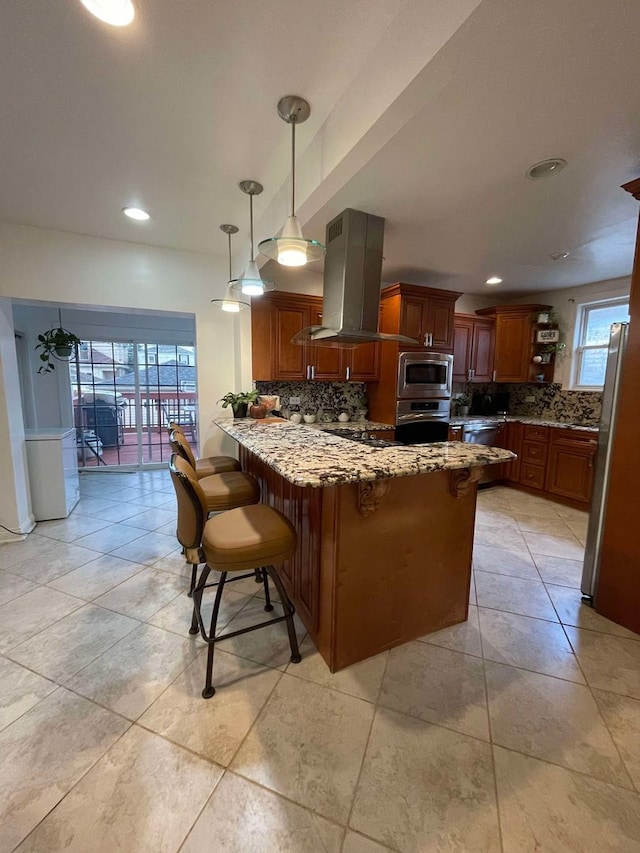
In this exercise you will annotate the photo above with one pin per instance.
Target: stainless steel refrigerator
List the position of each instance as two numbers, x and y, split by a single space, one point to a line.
617 346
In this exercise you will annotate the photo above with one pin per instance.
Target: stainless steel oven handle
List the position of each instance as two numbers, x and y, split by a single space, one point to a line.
423 416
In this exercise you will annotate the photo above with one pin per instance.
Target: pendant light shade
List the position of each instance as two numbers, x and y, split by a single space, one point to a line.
231 303
291 249
251 283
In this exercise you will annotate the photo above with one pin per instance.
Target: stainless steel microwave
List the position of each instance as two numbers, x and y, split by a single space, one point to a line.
424 375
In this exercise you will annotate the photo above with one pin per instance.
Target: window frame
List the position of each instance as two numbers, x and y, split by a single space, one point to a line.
579 348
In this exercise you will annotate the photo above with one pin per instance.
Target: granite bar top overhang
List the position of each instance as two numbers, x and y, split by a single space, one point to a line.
309 457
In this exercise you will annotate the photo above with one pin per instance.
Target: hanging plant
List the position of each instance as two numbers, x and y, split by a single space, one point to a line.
56 343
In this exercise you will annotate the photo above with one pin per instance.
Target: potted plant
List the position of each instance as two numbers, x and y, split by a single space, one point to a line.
55 343
239 402
463 401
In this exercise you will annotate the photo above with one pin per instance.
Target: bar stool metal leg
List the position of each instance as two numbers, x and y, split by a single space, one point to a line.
209 689
194 575
289 610
265 577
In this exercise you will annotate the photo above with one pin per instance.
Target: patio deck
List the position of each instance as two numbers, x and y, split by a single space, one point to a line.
155 448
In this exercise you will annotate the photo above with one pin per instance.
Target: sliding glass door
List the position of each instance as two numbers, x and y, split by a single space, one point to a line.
124 395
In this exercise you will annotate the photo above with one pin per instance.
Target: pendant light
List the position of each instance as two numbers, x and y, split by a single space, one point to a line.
230 303
251 283
291 249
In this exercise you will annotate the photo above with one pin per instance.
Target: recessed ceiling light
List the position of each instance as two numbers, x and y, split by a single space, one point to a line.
545 168
118 13
494 280
559 256
136 213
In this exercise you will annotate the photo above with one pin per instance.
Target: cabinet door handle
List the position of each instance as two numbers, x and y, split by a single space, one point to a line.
308 372
426 340
348 373
313 371
493 376
430 339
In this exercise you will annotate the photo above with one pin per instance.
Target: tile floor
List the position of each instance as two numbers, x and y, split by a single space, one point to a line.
518 730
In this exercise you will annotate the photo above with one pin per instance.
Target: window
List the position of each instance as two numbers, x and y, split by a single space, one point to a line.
594 325
183 359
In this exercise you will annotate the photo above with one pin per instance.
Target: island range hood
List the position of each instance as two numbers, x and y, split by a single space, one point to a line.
351 292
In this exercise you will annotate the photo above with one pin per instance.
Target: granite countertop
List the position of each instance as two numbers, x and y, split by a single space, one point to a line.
354 426
521 419
307 456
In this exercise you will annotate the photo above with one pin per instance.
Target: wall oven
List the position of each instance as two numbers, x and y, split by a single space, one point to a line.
424 375
422 421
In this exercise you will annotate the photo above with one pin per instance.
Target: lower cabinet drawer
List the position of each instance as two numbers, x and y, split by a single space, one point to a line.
534 452
532 475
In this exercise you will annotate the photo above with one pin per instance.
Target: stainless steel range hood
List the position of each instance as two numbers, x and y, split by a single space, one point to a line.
352 276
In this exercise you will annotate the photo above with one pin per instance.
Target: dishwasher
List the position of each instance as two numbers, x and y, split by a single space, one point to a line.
492 435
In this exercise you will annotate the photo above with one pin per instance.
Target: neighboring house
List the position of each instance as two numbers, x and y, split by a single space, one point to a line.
170 376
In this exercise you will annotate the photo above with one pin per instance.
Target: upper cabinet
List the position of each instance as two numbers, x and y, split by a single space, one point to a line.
422 313
473 348
276 318
514 342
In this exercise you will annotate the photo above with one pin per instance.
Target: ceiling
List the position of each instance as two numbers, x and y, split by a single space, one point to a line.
426 112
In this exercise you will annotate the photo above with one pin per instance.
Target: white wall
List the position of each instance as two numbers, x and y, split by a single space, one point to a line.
565 304
15 502
42 264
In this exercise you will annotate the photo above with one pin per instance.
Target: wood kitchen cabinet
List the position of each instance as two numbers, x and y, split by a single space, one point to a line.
276 318
571 460
473 348
514 344
423 313
513 442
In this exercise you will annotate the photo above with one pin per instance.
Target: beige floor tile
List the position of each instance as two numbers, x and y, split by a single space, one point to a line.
97 577
142 796
528 643
540 525
547 808
473 595
269 646
514 595
174 563
32 612
44 754
152 519
522 503
132 674
573 611
437 685
176 616
426 788
161 500
110 538
213 728
362 679
622 716
552 719
58 560
143 594
559 570
93 505
117 512
72 528
13 586
495 517
148 549
463 637
569 513
244 818
504 562
505 537
355 843
555 546
609 663
308 745
14 553
21 690
70 644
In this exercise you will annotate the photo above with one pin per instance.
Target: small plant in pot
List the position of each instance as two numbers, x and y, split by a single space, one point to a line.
55 343
239 402
463 401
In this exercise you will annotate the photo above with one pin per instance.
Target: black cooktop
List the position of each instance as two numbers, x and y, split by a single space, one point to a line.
367 438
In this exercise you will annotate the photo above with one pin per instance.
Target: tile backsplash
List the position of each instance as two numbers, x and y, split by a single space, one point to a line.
550 401
555 404
318 396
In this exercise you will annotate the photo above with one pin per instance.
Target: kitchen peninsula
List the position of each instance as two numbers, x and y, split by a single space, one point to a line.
385 534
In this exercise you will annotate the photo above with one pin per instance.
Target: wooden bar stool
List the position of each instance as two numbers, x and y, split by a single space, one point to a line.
206 466
219 492
241 540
